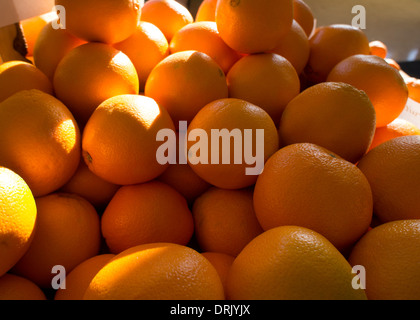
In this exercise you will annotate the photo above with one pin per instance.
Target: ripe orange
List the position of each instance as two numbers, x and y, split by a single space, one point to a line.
51 46
294 47
222 263
16 76
309 186
291 263
225 220
206 11
395 64
250 26
182 178
90 74
67 233
331 44
119 141
13 287
397 128
382 83
17 218
336 116
389 253
185 82
77 281
378 48
31 29
231 117
267 80
393 171
146 213
40 140
413 85
157 271
303 14
105 21
145 48
91 187
204 37
168 15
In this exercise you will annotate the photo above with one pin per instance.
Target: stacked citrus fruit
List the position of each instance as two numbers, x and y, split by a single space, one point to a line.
241 153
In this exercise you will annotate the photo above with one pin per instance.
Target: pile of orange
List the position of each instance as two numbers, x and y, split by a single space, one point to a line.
240 153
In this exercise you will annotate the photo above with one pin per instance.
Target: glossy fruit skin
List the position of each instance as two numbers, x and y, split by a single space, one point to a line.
242 28
64 239
389 253
385 88
392 169
146 213
16 76
331 44
157 271
102 21
41 140
119 141
229 114
333 115
291 263
90 74
18 214
309 186
170 85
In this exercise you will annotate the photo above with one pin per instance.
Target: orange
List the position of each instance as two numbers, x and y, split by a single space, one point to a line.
157 271
382 83
16 76
378 48
105 21
228 166
146 213
294 47
67 233
291 263
40 140
91 187
267 80
222 263
225 220
413 85
13 287
389 253
145 48
168 15
51 46
206 11
336 116
119 141
90 74
204 37
182 178
331 44
394 64
31 29
185 82
392 169
303 14
18 216
77 281
397 128
250 26
309 186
